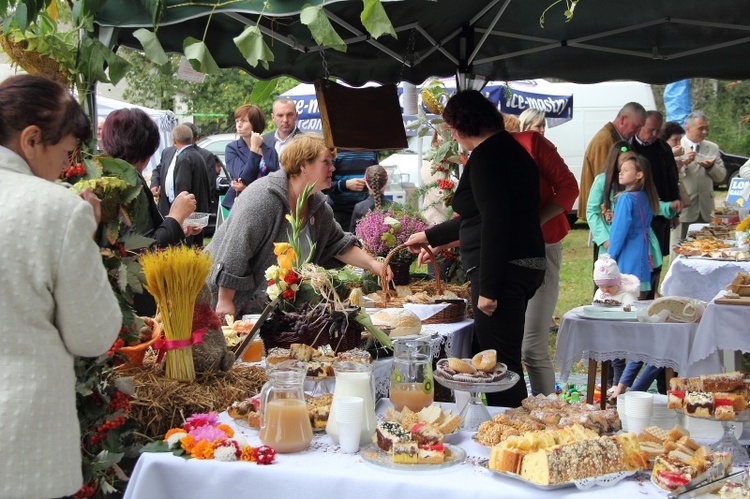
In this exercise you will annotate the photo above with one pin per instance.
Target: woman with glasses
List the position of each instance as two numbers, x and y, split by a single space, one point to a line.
248 158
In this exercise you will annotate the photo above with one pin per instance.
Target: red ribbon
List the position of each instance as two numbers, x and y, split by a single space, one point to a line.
162 345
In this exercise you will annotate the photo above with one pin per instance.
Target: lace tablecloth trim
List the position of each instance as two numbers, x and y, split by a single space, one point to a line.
604 356
602 481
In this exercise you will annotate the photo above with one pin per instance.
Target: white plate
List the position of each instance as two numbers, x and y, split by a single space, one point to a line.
609 315
373 455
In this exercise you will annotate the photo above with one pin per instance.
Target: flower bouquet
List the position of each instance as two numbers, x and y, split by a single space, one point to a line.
203 437
382 231
305 298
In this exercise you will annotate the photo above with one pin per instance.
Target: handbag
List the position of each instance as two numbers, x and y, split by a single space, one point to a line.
684 196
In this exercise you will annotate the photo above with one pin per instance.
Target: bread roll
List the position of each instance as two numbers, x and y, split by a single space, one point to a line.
461 366
485 361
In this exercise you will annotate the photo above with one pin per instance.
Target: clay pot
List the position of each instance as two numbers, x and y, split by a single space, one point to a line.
136 353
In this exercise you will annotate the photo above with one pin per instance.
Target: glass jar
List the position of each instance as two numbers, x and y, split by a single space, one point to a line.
354 379
411 373
286 423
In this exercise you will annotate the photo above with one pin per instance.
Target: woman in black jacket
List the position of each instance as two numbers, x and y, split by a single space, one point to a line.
498 231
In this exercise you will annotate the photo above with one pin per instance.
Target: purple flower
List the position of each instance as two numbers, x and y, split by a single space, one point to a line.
372 226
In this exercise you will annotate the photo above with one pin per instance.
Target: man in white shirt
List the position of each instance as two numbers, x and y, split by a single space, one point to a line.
284 116
704 167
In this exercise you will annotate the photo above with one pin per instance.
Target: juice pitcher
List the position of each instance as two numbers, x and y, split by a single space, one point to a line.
411 373
286 424
354 379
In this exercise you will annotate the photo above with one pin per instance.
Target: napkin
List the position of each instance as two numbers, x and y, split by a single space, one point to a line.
425 311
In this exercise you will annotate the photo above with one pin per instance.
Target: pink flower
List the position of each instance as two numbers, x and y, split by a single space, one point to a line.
207 433
198 420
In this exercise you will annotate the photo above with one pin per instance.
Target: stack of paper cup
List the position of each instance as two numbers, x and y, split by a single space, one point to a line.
349 420
621 402
639 407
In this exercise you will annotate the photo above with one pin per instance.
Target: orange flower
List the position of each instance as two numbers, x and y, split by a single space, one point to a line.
248 454
287 259
203 450
172 432
188 442
226 429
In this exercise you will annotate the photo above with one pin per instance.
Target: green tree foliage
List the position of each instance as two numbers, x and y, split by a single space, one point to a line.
726 104
212 102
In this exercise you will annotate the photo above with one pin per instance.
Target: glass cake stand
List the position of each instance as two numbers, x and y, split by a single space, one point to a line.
474 412
728 441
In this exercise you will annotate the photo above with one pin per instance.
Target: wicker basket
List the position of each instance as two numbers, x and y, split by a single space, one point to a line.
313 337
454 312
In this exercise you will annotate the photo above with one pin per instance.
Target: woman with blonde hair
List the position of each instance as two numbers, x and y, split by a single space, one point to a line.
242 248
533 119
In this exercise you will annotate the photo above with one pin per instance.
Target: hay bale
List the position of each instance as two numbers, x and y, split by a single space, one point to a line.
161 403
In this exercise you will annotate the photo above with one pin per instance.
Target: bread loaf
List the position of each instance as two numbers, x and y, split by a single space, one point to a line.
400 321
678 309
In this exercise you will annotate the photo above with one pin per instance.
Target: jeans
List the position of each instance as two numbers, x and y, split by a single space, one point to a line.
646 378
503 330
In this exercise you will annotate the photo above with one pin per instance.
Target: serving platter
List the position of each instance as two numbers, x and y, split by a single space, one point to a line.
598 312
374 455
582 484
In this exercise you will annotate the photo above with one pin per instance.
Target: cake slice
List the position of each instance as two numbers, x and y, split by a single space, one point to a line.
653 434
405 452
389 433
431 454
723 382
425 434
699 404
675 399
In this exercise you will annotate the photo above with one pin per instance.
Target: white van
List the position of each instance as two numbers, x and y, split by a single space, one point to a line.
593 106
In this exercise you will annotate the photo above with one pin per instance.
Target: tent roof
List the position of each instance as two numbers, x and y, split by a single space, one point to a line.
646 40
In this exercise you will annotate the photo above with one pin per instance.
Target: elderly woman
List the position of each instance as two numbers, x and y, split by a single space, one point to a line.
248 158
504 261
242 248
55 299
131 135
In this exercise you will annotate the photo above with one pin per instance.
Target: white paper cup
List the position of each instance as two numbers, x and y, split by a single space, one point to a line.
462 398
639 404
349 409
637 424
621 402
349 433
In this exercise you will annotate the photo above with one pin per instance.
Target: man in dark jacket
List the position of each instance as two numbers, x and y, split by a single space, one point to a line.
181 168
213 166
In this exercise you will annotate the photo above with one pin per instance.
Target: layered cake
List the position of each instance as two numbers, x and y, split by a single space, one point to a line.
573 461
699 404
431 454
425 434
389 433
405 452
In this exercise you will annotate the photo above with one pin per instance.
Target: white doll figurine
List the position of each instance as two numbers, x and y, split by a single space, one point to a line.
614 288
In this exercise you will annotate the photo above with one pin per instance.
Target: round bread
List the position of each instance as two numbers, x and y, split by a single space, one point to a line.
461 366
678 308
400 321
485 360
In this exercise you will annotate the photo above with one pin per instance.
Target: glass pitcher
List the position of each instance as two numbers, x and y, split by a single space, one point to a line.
411 373
286 423
354 379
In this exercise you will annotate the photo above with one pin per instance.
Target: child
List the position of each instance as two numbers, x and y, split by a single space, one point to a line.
376 179
614 286
634 209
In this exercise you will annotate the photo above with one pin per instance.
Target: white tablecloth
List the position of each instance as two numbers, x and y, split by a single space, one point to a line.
658 344
700 278
723 327
325 473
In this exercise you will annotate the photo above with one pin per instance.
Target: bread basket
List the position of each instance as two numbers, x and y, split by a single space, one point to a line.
454 312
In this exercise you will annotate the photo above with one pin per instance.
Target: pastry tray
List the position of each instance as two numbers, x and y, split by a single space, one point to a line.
582 484
374 455
738 475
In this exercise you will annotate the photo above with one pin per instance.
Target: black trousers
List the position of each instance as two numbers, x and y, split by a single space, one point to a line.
503 330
